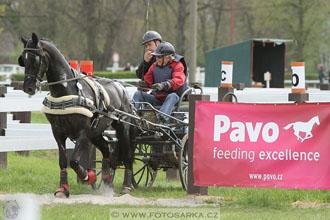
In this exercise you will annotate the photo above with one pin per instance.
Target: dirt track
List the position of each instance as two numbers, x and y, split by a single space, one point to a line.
190 201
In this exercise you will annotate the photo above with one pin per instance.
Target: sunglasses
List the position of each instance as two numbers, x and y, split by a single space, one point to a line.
159 57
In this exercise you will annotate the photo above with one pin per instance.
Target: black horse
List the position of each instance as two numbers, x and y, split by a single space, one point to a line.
41 56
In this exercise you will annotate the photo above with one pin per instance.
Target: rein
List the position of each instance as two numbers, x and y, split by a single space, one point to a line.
45 83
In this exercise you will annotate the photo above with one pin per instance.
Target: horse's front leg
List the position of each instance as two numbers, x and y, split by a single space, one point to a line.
102 145
297 135
83 146
63 190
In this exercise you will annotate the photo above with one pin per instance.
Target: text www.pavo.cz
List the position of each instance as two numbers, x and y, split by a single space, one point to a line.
265 177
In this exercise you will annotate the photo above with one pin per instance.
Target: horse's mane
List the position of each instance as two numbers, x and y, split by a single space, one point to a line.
45 39
52 47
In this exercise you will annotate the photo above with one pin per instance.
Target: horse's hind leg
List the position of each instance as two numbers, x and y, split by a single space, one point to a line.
126 152
308 135
83 145
102 145
63 190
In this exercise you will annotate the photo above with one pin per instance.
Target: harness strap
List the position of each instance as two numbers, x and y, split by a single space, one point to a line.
69 103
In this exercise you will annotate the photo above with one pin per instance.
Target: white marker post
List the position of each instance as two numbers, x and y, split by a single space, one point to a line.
298 94
298 77
226 74
226 81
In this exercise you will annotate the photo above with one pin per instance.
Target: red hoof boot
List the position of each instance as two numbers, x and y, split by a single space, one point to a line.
125 190
106 178
62 192
91 177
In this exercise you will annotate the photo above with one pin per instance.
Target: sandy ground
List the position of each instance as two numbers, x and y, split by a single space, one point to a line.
46 199
109 199
301 204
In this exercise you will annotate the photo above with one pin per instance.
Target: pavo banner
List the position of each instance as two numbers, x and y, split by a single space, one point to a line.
262 145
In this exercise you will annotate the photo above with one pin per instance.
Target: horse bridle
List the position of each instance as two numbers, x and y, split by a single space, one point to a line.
38 76
38 61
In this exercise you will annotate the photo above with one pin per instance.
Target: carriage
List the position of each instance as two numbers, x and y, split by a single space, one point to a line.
83 109
158 146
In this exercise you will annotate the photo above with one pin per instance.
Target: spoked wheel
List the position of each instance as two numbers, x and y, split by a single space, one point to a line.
143 173
183 162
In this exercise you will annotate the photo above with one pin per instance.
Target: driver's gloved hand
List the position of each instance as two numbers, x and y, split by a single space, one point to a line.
141 85
163 86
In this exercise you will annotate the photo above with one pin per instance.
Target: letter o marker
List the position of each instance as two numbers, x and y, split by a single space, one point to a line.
298 77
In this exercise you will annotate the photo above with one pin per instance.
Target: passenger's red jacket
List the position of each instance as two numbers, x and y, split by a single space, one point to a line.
178 78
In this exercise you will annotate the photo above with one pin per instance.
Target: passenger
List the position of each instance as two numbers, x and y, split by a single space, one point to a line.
167 78
150 40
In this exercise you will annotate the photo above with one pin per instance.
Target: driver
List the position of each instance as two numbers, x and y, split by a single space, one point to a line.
150 40
167 78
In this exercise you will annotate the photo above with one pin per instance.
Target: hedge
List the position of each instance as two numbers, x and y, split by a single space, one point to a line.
17 77
116 75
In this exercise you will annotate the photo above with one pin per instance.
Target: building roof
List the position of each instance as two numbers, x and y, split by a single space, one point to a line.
274 40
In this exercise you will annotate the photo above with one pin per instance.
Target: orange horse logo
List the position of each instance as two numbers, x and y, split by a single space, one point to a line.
303 127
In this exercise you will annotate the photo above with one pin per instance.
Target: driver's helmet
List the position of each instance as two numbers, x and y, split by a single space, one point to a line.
164 49
151 35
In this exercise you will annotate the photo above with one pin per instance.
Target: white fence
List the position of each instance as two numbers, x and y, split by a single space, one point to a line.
25 136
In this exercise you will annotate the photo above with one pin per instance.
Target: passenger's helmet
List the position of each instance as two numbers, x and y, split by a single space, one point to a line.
151 35
164 49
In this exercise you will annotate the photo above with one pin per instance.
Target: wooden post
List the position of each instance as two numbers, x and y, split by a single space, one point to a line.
3 125
325 86
222 91
239 86
298 97
17 85
192 189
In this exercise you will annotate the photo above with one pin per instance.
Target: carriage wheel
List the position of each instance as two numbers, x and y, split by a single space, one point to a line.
143 173
183 162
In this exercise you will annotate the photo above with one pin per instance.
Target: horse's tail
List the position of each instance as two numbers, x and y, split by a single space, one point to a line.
288 126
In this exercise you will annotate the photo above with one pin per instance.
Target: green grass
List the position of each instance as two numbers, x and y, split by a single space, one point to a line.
38 117
269 198
91 211
39 173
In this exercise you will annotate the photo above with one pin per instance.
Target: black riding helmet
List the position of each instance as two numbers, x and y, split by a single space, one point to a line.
164 49
151 35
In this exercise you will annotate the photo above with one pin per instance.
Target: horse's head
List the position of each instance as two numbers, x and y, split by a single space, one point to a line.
317 120
35 62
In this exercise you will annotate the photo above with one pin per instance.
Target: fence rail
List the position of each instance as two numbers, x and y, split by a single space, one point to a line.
18 136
